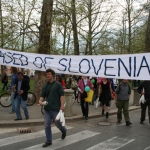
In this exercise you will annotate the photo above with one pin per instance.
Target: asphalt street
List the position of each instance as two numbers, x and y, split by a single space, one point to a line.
94 134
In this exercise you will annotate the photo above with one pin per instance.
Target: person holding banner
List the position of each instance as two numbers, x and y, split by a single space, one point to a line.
144 89
123 93
104 94
81 87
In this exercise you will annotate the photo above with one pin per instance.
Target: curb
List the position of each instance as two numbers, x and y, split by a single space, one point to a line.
38 122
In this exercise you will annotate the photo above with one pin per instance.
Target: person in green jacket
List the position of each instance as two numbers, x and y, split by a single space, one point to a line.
53 94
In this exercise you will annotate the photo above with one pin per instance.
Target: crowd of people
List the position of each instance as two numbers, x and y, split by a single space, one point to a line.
104 90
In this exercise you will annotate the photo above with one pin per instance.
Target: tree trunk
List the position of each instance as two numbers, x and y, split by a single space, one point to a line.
90 28
147 40
2 35
44 42
74 28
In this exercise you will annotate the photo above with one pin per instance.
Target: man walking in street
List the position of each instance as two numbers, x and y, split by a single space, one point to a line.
21 92
53 94
146 86
123 92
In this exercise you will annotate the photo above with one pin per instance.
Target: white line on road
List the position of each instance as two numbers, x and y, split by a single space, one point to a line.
58 143
147 148
111 144
24 137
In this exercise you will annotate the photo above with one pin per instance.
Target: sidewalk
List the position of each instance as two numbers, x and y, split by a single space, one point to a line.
36 117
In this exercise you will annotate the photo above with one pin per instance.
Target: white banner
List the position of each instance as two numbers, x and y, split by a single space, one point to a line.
129 66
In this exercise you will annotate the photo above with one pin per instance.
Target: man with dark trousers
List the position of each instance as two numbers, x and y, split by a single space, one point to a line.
21 92
146 86
123 92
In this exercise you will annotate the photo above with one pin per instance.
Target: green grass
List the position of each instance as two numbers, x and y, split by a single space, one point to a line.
31 86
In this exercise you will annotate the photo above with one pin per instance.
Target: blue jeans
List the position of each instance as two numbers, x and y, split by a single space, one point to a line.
18 101
12 101
50 116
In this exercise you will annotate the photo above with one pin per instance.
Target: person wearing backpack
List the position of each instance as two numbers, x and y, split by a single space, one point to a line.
146 86
123 92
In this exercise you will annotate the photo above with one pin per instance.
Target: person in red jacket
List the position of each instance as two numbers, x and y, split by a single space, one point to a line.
59 79
81 87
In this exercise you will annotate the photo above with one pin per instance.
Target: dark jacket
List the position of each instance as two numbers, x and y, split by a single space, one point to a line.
146 86
52 92
25 87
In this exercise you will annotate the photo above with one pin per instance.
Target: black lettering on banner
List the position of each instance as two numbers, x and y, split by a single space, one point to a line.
2 55
70 67
134 66
121 62
96 72
65 67
16 58
24 59
9 57
141 66
45 61
83 68
38 62
106 67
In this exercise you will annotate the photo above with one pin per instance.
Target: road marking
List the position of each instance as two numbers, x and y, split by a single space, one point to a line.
28 136
147 148
111 144
6 130
58 143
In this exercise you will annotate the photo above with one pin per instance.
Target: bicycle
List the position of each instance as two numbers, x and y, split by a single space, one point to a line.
6 102
31 99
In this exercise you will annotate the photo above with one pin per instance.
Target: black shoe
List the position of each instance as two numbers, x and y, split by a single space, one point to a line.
86 118
141 122
46 144
128 123
63 136
27 117
102 112
17 119
107 114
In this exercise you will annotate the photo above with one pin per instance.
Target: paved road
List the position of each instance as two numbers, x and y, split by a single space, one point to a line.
94 134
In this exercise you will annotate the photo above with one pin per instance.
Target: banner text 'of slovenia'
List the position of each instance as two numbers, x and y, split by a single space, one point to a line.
126 66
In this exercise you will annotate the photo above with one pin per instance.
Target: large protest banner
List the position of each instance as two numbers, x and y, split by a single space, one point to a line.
126 66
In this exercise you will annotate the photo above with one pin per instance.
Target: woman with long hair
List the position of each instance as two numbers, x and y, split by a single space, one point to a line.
59 79
104 94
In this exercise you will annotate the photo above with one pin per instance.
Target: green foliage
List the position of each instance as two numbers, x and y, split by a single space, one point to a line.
31 86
